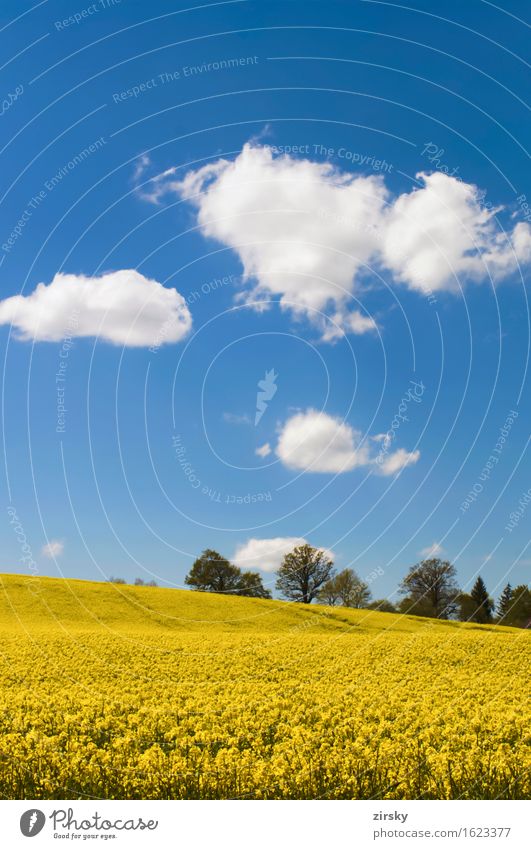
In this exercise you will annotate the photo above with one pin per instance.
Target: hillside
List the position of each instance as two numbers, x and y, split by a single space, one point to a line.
111 691
56 603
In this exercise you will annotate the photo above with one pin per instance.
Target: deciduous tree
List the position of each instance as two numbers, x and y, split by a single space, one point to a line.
430 589
213 573
345 588
303 572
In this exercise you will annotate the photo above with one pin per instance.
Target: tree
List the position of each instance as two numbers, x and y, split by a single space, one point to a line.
383 605
213 573
466 607
484 605
430 589
519 613
345 588
504 602
303 572
250 584
329 593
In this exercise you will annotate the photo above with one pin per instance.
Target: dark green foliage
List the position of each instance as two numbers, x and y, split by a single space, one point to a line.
484 606
214 574
303 572
518 612
250 584
504 602
430 589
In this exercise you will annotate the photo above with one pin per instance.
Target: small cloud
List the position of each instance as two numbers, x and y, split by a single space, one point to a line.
390 464
338 325
53 549
233 418
433 550
142 163
263 450
152 188
314 441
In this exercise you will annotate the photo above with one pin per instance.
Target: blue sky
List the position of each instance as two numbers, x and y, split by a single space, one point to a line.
159 142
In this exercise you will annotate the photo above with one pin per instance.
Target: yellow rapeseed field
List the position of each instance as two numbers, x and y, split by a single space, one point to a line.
146 693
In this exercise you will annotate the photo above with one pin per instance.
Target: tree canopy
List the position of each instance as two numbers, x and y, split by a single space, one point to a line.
303 572
346 589
213 573
430 589
517 608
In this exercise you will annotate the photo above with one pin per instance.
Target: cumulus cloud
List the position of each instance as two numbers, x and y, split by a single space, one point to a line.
433 550
122 307
263 450
299 227
314 441
53 549
440 235
267 554
306 232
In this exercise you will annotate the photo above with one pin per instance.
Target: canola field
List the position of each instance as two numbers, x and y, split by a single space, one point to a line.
122 692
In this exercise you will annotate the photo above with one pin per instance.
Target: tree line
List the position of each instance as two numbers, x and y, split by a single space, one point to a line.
307 574
138 582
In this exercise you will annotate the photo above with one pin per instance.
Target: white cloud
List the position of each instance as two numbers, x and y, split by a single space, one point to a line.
314 441
440 235
141 165
122 307
433 550
267 554
299 227
342 323
155 187
263 450
306 232
53 549
390 464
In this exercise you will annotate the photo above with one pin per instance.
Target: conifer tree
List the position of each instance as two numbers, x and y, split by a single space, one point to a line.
504 602
483 604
